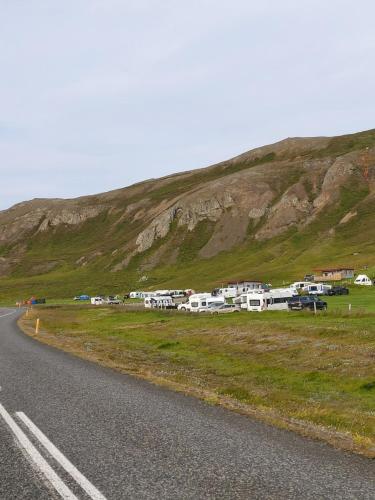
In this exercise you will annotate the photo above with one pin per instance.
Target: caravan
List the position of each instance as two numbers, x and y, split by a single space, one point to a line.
317 289
362 279
227 293
159 302
97 301
272 300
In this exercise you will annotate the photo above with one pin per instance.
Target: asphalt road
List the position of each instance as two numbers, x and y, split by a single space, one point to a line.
130 439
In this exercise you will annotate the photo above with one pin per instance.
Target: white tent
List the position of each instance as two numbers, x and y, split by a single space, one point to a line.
362 279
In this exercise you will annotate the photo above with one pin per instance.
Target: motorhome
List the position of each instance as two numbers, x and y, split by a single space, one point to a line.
272 300
136 295
317 289
159 302
362 279
200 302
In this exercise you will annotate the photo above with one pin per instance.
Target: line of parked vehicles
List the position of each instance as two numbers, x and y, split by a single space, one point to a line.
249 296
234 298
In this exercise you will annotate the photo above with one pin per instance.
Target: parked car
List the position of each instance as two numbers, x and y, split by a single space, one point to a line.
309 277
338 290
82 297
113 300
223 308
298 303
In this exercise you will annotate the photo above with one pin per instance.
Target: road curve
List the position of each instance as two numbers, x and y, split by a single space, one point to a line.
130 439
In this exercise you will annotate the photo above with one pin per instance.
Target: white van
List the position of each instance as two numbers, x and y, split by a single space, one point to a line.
362 279
200 302
272 300
159 302
317 289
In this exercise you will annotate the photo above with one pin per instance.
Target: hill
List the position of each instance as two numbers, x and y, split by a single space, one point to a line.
272 213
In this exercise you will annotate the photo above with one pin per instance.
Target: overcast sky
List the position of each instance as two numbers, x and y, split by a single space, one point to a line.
98 94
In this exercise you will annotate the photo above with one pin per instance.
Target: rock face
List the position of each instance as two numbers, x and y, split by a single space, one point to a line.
252 198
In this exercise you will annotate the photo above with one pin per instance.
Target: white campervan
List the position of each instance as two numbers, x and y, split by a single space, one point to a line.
136 295
272 300
362 279
200 302
317 289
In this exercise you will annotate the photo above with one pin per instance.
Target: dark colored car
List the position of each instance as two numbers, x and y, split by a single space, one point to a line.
300 302
338 290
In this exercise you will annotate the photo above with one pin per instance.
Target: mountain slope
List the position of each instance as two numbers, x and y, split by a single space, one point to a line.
273 213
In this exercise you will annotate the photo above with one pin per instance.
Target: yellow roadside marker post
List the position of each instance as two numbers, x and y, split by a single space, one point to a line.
37 325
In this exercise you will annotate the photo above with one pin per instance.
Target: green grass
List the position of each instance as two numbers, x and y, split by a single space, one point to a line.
317 369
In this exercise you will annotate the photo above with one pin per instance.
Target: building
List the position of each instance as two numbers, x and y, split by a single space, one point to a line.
334 274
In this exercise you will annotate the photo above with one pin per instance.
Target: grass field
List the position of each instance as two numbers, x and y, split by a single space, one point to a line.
312 374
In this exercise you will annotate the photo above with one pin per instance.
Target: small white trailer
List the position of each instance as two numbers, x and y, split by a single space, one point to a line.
227 293
300 285
273 300
97 301
363 280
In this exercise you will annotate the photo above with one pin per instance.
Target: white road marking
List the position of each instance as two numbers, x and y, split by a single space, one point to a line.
85 484
37 458
7 314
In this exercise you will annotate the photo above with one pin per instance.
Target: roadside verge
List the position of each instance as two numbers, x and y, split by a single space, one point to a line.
310 382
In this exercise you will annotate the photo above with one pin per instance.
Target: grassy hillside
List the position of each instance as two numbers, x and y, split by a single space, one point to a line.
289 181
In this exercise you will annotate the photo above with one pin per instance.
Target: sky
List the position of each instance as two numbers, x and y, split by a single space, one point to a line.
99 94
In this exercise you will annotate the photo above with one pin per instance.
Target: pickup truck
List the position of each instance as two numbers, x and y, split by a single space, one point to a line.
300 302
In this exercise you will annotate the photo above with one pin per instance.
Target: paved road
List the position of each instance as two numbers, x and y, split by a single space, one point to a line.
130 439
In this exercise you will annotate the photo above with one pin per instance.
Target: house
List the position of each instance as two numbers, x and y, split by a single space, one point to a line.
334 274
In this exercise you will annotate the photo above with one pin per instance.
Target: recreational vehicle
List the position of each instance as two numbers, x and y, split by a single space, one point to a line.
317 289
136 295
272 300
300 285
200 302
227 293
97 301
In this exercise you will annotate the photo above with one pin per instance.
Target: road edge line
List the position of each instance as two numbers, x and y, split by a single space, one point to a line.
34 455
83 482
